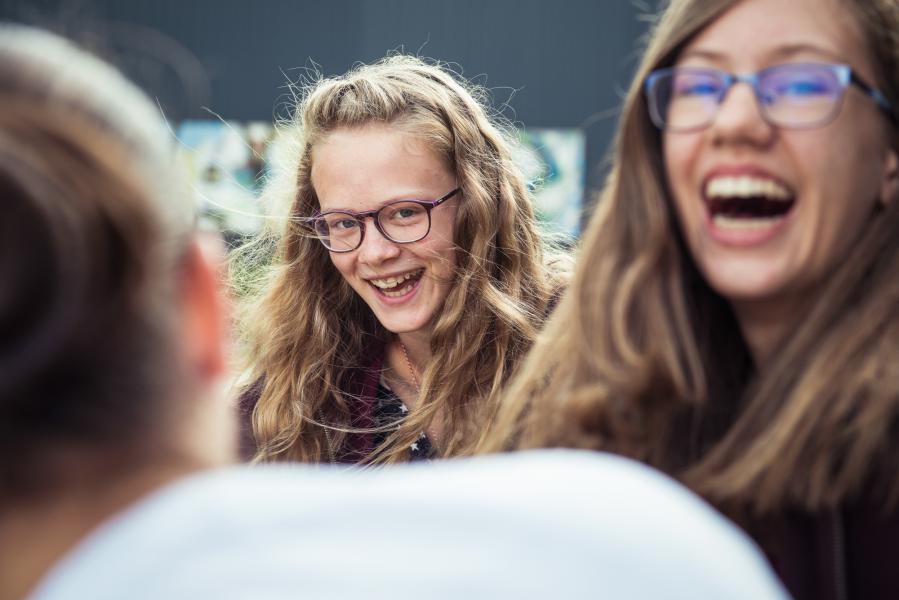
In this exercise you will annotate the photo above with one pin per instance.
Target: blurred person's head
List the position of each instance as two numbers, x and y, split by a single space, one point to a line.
109 319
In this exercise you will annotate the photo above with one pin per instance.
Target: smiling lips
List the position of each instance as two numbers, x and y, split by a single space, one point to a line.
747 202
398 286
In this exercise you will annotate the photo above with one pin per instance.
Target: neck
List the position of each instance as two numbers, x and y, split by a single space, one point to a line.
406 357
418 347
36 534
418 350
765 325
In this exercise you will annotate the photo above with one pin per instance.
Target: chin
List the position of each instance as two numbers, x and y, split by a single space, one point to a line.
746 285
746 292
400 325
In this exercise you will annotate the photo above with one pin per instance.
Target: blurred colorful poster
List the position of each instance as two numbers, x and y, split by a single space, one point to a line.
226 161
556 165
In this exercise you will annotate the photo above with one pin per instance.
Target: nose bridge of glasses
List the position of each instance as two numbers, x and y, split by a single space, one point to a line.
375 216
361 217
731 80
731 92
374 243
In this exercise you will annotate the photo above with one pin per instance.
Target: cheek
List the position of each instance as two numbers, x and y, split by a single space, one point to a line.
679 152
679 155
843 186
441 255
441 241
343 263
443 225
849 156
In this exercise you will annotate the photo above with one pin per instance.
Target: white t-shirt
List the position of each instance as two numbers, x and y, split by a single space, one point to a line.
541 524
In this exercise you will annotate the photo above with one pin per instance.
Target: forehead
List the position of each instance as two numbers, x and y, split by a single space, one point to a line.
365 167
753 34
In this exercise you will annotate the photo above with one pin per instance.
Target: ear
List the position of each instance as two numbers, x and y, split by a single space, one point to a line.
889 188
204 308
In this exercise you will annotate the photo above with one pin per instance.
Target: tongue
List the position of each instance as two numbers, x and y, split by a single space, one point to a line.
749 208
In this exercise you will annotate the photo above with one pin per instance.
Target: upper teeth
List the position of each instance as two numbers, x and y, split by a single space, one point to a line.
392 281
746 187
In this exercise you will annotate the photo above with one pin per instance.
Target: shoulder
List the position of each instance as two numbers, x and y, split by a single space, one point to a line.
534 525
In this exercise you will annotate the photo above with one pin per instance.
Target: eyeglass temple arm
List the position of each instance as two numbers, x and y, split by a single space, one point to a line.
440 201
875 95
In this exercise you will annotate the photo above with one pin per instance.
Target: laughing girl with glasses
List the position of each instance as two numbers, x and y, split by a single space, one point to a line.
408 281
734 319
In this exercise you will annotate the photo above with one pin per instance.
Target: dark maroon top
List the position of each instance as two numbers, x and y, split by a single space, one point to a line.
846 554
361 390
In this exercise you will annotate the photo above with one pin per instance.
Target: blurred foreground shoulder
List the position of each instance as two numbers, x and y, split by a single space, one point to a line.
543 524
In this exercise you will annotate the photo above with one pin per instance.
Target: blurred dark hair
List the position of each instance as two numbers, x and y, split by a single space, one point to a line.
89 255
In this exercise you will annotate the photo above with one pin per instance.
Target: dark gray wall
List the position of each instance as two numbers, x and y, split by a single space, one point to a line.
558 63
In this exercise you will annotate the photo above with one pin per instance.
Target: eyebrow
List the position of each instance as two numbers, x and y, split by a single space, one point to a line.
779 53
397 198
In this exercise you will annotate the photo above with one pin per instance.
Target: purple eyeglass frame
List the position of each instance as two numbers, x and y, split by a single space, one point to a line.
428 205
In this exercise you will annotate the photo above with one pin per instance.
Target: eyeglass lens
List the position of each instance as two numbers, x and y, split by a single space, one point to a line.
789 95
401 222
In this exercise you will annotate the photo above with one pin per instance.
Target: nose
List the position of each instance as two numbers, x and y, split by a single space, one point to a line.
739 118
375 248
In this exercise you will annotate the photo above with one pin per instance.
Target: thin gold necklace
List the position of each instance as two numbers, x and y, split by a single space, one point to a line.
433 438
411 370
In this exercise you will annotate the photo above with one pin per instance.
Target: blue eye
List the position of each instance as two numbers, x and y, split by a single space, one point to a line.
799 83
338 223
403 213
345 224
805 87
687 86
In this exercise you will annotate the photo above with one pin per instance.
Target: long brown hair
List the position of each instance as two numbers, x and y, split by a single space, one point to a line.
643 358
309 333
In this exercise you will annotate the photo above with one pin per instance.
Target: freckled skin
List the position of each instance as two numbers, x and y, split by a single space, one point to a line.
362 169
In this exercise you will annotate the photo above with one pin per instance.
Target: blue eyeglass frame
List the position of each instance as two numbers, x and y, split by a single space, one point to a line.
845 76
428 205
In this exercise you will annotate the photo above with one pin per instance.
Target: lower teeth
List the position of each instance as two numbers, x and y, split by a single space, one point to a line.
395 294
745 223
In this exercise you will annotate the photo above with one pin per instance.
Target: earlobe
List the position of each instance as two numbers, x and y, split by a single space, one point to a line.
889 189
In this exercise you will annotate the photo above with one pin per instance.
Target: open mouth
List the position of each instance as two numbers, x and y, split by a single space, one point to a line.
396 287
747 202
